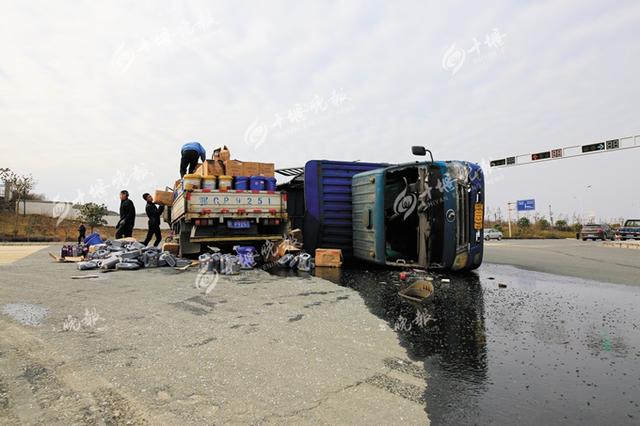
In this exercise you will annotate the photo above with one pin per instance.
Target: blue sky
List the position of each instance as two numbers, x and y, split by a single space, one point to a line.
94 96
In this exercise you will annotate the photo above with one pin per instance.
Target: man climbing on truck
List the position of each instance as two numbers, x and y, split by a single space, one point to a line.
190 153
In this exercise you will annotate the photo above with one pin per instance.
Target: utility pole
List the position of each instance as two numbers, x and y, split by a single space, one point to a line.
550 215
509 204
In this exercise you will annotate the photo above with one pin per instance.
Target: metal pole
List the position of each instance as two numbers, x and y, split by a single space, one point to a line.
550 215
509 217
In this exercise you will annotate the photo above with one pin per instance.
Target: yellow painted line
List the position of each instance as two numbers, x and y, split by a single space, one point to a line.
13 253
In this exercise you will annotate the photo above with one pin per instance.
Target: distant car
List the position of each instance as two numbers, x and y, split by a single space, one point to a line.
630 229
492 234
594 231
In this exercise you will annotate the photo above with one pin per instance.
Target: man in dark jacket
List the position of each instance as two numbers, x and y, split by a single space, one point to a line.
190 153
154 213
82 233
124 228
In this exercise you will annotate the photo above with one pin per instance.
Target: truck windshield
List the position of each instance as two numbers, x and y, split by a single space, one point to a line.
414 214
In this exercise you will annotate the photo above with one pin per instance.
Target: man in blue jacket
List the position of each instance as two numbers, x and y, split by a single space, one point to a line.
191 152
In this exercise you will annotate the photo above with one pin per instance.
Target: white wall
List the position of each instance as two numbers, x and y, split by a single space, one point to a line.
63 209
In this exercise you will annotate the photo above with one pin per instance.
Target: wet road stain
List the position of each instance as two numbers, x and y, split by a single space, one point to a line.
545 349
201 343
397 387
296 318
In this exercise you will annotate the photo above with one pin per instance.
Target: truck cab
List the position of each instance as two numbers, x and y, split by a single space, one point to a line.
423 214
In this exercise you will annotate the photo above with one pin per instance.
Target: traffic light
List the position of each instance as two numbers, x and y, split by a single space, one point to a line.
496 163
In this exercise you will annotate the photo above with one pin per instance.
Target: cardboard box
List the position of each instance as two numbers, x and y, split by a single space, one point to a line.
164 198
210 168
267 169
233 168
172 248
329 257
225 154
250 168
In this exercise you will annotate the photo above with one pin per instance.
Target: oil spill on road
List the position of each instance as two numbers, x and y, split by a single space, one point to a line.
545 349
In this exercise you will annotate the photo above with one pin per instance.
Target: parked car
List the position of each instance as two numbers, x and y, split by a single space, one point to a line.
492 234
595 231
630 229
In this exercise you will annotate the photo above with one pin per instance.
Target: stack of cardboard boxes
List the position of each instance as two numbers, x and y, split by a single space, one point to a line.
222 164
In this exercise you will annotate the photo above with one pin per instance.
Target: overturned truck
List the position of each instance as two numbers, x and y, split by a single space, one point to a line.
424 214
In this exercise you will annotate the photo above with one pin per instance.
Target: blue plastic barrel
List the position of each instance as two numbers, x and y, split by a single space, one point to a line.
270 184
242 183
93 239
257 183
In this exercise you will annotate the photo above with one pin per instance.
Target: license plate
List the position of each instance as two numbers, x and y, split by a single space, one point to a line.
478 216
238 224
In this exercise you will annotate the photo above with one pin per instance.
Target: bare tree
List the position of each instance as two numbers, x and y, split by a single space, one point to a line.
21 186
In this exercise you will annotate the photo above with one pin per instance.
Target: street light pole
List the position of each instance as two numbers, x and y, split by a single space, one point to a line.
509 204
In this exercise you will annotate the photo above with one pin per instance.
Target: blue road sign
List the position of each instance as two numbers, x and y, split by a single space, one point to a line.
524 205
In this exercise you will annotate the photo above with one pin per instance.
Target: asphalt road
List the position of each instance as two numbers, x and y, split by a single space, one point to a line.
575 258
147 347
501 345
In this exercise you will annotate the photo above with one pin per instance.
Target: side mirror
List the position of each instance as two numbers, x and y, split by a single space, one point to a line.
418 150
421 150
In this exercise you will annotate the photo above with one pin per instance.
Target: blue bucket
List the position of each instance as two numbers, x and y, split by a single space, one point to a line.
93 239
270 184
257 183
242 183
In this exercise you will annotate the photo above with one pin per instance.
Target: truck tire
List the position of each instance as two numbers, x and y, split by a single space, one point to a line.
183 231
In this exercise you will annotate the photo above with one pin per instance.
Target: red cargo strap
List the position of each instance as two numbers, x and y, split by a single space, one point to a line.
224 210
205 211
241 211
257 210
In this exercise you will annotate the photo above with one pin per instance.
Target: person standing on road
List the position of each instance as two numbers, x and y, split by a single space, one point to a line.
82 231
124 228
191 152
154 213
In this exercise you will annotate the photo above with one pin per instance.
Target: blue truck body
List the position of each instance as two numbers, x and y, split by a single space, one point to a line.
427 214
327 201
